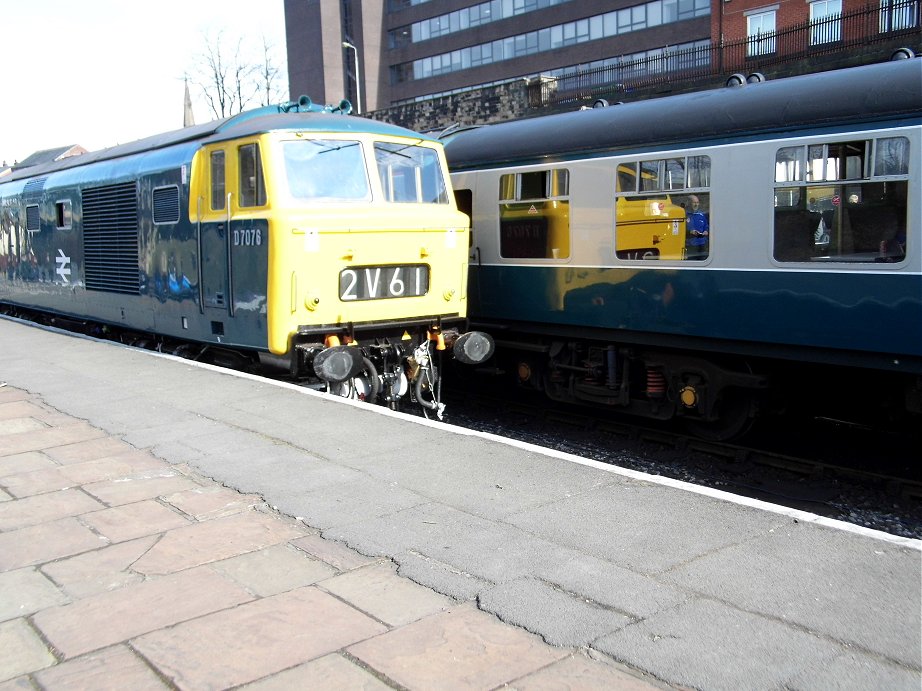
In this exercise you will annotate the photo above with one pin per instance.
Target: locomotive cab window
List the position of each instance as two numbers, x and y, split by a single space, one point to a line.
842 201
410 174
325 170
218 196
63 215
534 215
252 185
662 208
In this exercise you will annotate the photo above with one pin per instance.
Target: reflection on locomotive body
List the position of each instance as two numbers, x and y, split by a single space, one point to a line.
709 256
327 244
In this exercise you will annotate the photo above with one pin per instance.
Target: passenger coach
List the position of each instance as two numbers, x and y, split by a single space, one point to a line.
708 256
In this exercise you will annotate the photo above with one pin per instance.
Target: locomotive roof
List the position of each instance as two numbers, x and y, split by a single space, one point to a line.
247 123
858 94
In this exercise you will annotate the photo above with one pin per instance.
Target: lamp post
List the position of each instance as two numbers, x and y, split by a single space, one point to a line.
358 79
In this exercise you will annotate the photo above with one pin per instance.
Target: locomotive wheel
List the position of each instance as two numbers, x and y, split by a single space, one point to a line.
736 414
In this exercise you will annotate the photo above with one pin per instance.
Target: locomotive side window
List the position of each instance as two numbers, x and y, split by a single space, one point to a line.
534 215
410 174
662 208
63 215
309 164
252 186
842 201
218 196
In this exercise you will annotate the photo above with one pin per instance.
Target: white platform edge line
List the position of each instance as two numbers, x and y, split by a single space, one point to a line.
803 516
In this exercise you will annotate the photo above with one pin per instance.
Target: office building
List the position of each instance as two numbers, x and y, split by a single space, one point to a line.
408 50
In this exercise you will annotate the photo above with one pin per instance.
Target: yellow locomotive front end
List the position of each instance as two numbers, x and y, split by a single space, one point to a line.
365 235
366 257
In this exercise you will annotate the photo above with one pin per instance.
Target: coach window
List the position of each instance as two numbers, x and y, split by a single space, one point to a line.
534 215
62 215
662 208
252 186
842 201
218 196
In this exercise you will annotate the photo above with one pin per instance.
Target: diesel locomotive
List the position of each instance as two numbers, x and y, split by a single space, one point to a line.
708 256
292 233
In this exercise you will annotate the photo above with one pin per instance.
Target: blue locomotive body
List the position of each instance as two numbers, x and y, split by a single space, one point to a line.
799 230
325 243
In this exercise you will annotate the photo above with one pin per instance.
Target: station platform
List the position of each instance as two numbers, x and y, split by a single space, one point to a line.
165 524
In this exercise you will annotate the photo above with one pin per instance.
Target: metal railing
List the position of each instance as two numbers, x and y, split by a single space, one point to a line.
834 34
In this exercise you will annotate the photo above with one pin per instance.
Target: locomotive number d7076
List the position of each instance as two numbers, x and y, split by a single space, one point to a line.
375 282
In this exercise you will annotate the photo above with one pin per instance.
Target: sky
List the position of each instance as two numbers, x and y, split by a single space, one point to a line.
103 72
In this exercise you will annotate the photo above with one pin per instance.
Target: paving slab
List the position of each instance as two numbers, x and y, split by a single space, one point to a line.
378 590
113 668
130 521
461 648
25 591
47 541
21 650
102 620
273 570
234 647
100 570
329 672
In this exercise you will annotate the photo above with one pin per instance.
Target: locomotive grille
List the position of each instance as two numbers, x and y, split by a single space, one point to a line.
166 204
110 238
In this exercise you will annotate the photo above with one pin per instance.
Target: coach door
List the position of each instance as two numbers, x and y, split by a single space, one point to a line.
214 237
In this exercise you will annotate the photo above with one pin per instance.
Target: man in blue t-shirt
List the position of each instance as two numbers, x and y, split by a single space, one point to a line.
697 230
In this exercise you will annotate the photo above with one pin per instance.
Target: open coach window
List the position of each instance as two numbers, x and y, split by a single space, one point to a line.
534 215
410 174
842 201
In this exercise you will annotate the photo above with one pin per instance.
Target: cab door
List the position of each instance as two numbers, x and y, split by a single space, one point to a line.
214 237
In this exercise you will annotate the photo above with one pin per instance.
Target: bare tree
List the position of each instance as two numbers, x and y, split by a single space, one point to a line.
270 75
231 80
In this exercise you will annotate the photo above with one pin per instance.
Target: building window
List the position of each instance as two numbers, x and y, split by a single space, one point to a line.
825 21
898 14
760 32
612 23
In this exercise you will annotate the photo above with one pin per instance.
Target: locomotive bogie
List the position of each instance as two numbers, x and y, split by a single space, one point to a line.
779 240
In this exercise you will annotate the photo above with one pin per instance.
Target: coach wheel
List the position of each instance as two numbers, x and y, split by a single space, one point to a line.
755 78
736 80
903 54
735 416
